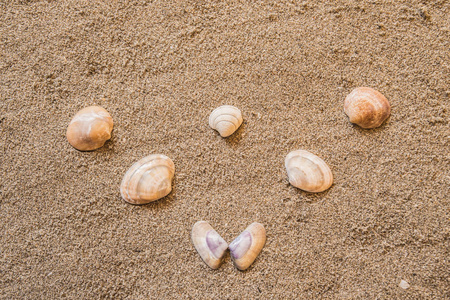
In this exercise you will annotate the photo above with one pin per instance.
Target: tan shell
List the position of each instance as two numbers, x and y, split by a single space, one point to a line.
90 128
226 119
148 180
247 246
308 172
209 244
367 107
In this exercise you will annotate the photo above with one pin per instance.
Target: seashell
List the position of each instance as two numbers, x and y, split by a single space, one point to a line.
308 172
367 107
208 243
148 180
226 119
90 128
246 247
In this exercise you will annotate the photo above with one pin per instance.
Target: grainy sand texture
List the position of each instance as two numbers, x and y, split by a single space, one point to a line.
159 68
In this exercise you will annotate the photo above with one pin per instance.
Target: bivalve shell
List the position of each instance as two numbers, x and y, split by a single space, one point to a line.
247 246
225 119
367 107
148 180
308 172
209 244
90 128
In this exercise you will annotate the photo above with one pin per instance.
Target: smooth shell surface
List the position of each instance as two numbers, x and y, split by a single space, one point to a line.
367 107
148 180
308 172
225 119
90 128
247 246
209 244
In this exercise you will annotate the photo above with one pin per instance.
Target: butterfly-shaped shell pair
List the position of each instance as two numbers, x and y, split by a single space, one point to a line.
212 247
90 128
226 119
148 180
367 107
308 172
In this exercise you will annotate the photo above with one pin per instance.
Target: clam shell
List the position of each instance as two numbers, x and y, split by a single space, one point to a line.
308 172
247 246
367 107
90 128
209 244
226 119
148 180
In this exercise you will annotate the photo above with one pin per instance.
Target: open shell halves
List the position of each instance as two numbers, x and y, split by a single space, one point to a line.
90 128
148 180
308 172
226 119
209 244
247 246
367 107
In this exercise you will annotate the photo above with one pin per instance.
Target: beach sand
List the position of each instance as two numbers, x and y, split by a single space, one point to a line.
160 68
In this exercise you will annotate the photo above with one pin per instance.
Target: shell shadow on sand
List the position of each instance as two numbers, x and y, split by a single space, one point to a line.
234 139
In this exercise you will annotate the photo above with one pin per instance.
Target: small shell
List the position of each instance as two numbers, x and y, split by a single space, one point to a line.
209 244
308 172
90 128
367 107
246 247
225 119
148 180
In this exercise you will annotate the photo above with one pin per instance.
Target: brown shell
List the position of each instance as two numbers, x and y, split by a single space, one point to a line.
90 128
367 107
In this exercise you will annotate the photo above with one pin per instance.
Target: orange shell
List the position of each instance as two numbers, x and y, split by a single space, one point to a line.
367 107
90 128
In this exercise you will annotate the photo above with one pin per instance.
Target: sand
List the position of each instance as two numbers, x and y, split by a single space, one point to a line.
160 68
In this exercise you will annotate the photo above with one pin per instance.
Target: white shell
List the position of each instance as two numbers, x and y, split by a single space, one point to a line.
247 246
308 172
404 284
226 119
209 244
148 180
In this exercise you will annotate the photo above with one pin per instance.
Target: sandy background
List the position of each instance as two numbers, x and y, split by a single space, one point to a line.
160 68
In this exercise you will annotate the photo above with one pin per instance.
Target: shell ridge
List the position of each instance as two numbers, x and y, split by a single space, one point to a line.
225 107
127 178
131 177
215 122
227 121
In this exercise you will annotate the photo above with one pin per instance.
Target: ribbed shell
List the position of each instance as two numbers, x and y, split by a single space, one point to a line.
208 243
367 107
90 128
225 119
308 172
247 246
148 180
